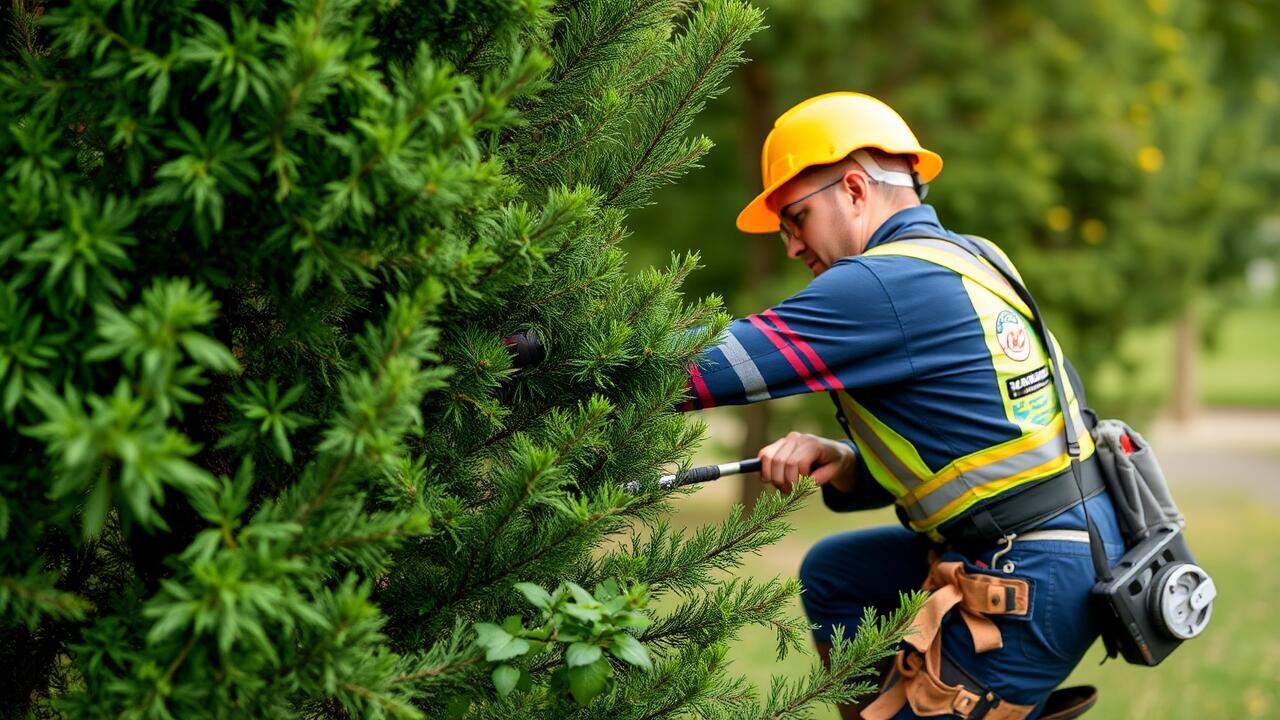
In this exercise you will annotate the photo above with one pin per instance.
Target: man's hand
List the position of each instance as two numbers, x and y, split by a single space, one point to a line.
826 461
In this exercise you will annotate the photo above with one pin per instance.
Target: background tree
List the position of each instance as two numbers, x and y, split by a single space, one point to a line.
266 453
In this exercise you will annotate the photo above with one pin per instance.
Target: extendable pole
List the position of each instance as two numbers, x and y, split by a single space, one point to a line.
701 474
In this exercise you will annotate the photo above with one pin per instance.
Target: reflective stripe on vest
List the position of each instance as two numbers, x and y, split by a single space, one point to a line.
931 498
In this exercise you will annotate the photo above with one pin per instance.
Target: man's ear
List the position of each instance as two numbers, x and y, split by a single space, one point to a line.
855 183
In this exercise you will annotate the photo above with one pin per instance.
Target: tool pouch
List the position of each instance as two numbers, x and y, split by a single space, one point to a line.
1135 481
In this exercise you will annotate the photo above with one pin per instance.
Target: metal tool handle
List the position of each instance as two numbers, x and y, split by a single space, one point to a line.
701 474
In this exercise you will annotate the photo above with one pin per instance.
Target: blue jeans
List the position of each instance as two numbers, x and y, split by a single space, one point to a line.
844 574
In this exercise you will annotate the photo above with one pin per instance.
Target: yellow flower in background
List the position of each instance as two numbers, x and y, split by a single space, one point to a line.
1150 159
1158 7
1267 90
1058 218
1168 37
1093 231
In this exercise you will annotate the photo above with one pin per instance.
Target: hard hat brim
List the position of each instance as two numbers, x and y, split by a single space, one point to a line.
756 217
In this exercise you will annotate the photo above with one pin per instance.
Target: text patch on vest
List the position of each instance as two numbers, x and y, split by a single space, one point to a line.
1028 383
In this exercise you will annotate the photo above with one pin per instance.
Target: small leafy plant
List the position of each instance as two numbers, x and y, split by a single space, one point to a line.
589 627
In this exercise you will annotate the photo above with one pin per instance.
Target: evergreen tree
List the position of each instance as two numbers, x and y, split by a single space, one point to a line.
266 453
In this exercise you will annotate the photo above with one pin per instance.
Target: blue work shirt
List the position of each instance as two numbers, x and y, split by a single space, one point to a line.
897 333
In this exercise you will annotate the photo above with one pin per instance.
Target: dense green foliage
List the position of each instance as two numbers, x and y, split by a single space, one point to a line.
264 451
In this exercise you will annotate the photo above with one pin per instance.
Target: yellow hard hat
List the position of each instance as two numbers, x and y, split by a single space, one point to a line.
825 129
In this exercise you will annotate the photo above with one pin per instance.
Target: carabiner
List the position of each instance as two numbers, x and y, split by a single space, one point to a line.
1007 542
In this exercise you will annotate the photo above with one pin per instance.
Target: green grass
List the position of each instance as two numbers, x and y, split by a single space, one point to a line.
1231 672
1242 369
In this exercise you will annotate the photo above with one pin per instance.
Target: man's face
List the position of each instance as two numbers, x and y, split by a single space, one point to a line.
818 213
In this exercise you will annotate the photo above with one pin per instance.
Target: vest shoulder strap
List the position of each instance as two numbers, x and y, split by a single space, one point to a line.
960 261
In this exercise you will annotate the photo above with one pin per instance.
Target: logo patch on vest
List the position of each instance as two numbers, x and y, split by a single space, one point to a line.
1024 385
1012 335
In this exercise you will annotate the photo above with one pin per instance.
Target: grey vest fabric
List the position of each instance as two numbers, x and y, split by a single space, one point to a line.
1135 482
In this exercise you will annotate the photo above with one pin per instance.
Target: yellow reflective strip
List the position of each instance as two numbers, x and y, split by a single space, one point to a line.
879 471
982 492
1085 439
991 279
1034 410
996 471
1005 450
886 437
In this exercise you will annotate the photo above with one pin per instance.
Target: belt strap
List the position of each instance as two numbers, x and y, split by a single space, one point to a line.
1023 509
917 676
1077 536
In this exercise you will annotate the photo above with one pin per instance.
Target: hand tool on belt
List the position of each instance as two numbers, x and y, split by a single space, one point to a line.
927 679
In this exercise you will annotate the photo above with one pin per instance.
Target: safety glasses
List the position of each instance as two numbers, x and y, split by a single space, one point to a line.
787 235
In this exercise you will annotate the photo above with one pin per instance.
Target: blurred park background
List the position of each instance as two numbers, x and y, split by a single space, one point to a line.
1126 153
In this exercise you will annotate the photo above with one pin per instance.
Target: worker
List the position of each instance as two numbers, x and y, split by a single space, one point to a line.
946 392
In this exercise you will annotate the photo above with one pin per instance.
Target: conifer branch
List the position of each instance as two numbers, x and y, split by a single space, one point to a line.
399 709
377 538
632 89
547 224
602 38
438 670
676 277
671 706
585 285
728 43
281 119
465 66
118 39
390 399
740 602
163 681
28 598
877 637
734 536
339 468
584 139
689 157
587 524
667 403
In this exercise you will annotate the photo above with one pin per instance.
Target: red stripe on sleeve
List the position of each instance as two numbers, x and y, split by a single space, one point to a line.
704 395
796 363
805 348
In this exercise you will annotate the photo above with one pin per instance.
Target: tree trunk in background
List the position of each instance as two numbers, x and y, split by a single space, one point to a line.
762 257
1186 391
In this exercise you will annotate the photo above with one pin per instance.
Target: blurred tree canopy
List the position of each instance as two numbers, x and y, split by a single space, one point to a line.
1123 152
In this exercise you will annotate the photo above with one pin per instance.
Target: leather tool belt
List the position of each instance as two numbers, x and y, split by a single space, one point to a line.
924 677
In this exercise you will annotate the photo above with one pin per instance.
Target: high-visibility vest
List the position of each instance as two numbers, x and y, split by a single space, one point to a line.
931 498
